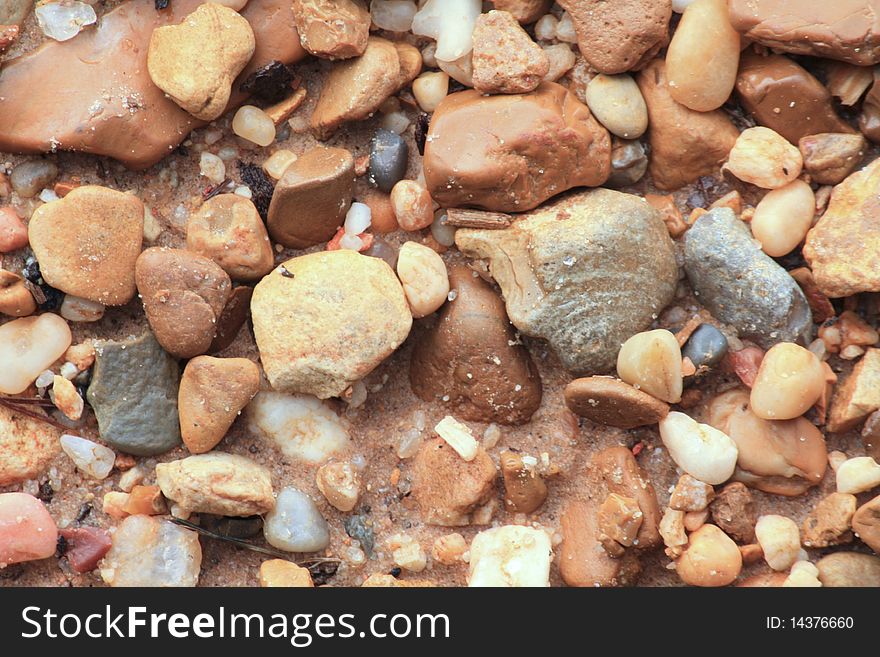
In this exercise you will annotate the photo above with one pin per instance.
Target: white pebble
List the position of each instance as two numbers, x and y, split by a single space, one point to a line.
510 556
77 309
545 28
351 242
857 475
393 15
780 539
48 195
212 167
451 23
244 191
92 459
700 450
458 436
442 231
565 29
64 20
253 124
277 163
45 379
28 346
396 122
295 524
357 219
430 89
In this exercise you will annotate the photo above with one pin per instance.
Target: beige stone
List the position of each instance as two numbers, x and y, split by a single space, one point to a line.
505 58
858 395
282 573
27 447
332 29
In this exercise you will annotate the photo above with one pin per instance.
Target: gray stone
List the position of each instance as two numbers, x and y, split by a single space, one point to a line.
584 272
296 524
388 158
359 530
30 178
134 395
13 12
706 346
628 162
741 285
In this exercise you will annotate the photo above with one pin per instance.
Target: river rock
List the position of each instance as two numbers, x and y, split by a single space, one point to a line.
850 569
783 96
505 59
608 401
134 395
333 29
848 31
585 273
27 531
296 524
684 144
389 155
87 243
741 285
27 447
829 157
114 108
617 103
30 177
235 314
28 346
480 150
325 320
842 247
471 360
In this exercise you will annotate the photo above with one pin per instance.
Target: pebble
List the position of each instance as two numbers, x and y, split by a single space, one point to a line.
87 243
340 483
28 447
325 320
505 59
783 217
16 299
866 523
561 59
28 346
524 489
545 27
829 521
296 524
228 229
857 475
148 551
183 295
212 167
217 483
254 125
332 30
703 56
388 159
85 547
64 20
705 347
742 286
92 459
850 569
196 60
276 164
412 205
312 197
790 380
710 559
651 361
615 100
525 11
471 360
702 451
134 395
442 231
451 23
857 396
213 391
422 273
764 158
235 314
430 89
13 232
629 162
77 309
280 573
30 177
27 531
14 12
301 426
831 156
66 398
393 15
610 402
510 556
780 540
579 273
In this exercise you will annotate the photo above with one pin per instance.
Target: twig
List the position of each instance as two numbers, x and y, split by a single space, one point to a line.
5 401
464 218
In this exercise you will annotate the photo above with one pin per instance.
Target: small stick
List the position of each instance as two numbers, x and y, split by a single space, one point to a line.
465 218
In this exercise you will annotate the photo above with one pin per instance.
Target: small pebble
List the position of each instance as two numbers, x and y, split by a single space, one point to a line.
280 573
92 459
412 205
340 483
66 398
253 124
783 217
13 232
857 475
64 20
388 159
27 347
212 167
617 103
711 558
357 219
430 89
31 176
77 309
296 524
423 275
651 361
393 15
510 556
27 531
702 451
780 539
705 347
277 163
442 231
790 380
764 158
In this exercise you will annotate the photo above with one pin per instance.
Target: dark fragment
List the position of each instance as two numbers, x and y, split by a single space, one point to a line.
323 571
261 187
706 346
47 297
84 547
228 527
357 528
270 83
162 4
421 134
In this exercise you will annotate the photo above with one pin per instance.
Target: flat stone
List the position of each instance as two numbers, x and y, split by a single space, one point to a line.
505 59
850 569
829 157
27 447
857 396
333 29
741 285
134 395
612 402
296 524
585 273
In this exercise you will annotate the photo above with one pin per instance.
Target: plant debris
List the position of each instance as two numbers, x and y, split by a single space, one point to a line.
270 83
261 187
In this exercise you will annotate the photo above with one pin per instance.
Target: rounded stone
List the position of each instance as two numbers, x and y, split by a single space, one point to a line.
388 159
296 524
706 346
611 402
617 103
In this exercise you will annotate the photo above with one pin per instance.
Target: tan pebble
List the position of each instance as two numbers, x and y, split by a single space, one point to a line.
28 346
789 381
733 510
691 494
783 217
114 504
430 89
764 158
424 278
382 219
505 59
829 522
849 569
711 559
340 483
277 573
253 124
15 298
412 205
524 489
866 523
66 398
780 539
276 164
449 549
337 29
145 500
562 59
831 156
82 355
615 100
28 447
857 475
651 361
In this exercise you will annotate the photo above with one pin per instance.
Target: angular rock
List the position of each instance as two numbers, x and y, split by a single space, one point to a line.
741 285
842 247
505 59
310 201
830 157
783 96
134 395
848 31
296 524
471 360
829 522
866 523
27 447
629 162
611 402
333 29
87 243
128 118
584 273
857 396
212 393
733 510
619 36
684 144
85 547
184 294
16 299
195 61
325 320
510 153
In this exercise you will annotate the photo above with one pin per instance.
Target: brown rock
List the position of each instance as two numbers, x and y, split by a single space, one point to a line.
733 510
233 317
114 108
505 59
333 29
829 157
684 144
183 295
866 524
212 393
355 89
525 11
784 97
829 522
15 298
310 201
228 230
820 305
619 36
524 489
195 61
512 153
869 119
847 30
448 488
87 243
612 402
410 59
28 447
842 247
471 359
858 395
622 475
849 569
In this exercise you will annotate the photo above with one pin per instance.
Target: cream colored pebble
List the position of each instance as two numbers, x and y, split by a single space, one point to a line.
672 528
423 275
690 494
449 549
277 163
253 124
561 58
430 89
764 158
651 361
783 217
412 205
510 556
803 574
545 28
780 539
66 398
340 483
458 436
789 381
702 451
711 558
617 103
857 475
407 553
